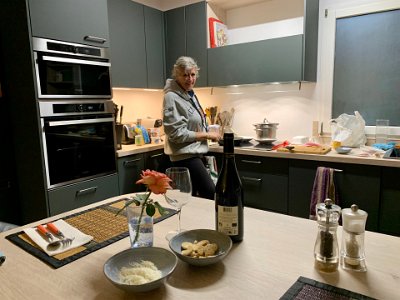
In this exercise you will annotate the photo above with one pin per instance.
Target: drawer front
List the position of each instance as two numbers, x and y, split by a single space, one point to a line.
265 191
129 169
77 195
262 164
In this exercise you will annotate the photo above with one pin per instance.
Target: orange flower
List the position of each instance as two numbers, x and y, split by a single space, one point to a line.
158 183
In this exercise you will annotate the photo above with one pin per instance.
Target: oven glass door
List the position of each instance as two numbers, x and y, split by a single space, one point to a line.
66 77
78 148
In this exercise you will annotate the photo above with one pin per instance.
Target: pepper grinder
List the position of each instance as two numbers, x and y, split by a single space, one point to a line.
352 255
326 249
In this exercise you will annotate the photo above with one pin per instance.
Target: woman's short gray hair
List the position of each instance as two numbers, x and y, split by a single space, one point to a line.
184 63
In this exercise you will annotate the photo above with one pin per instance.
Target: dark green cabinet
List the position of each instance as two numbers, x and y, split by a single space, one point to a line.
154 31
265 182
129 170
263 61
389 216
83 193
137 52
130 167
357 184
285 59
78 21
157 160
186 35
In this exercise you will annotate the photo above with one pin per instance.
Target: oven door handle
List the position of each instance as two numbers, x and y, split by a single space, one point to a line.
87 121
76 61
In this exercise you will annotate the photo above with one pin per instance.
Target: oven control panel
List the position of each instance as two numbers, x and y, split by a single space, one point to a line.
65 108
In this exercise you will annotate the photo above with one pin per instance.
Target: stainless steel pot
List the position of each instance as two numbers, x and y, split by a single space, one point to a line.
266 130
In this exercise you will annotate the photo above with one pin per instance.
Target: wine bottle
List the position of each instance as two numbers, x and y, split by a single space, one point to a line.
229 195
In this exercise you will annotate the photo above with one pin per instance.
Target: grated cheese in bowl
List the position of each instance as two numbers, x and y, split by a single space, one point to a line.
139 273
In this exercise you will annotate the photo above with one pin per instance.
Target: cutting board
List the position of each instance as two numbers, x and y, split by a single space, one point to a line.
306 149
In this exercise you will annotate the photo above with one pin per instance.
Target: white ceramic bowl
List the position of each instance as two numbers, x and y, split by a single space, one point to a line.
343 150
223 241
164 260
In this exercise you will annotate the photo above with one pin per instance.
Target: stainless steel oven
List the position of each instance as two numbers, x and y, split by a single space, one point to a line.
78 140
66 70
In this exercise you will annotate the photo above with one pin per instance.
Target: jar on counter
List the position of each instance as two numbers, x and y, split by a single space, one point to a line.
326 249
352 254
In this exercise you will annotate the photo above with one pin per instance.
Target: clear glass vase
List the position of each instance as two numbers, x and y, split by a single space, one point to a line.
140 226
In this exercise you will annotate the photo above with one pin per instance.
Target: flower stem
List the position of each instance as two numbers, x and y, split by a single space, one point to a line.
179 220
140 218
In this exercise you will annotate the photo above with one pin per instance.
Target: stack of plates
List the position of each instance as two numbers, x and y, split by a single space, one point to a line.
265 141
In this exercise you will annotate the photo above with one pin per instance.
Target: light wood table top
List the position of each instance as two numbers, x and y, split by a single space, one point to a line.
276 250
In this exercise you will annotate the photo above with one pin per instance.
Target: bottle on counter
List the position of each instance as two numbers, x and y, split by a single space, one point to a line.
229 195
352 255
326 249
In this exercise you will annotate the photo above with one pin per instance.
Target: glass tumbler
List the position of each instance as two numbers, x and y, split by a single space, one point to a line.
381 131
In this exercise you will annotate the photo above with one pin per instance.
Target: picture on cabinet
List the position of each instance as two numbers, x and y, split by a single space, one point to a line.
218 33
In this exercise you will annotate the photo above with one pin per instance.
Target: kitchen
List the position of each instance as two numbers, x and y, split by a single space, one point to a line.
300 109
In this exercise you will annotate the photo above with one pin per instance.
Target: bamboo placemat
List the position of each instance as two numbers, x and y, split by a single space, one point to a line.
100 222
308 289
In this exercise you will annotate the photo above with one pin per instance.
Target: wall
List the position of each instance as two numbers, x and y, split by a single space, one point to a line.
293 109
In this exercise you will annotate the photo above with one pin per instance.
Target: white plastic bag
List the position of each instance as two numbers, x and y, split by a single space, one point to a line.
349 130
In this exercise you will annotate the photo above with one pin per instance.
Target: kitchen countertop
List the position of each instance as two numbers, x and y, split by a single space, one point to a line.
133 149
276 250
331 156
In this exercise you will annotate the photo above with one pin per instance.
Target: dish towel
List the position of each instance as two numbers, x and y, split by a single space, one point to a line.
211 165
324 187
69 231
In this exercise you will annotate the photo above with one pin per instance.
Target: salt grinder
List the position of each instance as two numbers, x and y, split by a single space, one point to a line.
326 249
352 255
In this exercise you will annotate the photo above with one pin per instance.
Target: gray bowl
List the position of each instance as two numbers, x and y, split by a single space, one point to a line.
223 241
343 150
164 260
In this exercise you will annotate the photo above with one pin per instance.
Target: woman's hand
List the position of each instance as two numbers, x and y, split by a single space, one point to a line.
214 136
202 136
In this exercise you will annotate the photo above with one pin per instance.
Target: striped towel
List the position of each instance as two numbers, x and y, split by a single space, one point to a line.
324 187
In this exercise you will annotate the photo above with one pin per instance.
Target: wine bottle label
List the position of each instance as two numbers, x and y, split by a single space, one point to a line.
228 218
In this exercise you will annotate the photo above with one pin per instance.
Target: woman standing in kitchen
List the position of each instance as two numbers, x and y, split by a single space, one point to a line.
185 126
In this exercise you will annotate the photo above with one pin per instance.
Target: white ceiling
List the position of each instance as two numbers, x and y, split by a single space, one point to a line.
222 4
230 4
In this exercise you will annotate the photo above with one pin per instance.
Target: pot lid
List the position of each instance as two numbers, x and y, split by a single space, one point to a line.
265 122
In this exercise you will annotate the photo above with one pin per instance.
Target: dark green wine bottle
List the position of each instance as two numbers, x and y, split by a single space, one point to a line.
229 195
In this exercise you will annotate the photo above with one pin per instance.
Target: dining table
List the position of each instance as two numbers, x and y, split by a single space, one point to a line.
276 250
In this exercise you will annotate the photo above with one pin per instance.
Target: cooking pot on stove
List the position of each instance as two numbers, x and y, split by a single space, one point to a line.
265 130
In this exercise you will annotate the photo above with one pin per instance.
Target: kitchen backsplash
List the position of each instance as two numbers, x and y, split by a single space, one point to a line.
292 108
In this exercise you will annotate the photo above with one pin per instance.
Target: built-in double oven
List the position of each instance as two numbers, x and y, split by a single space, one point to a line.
71 71
76 111
78 141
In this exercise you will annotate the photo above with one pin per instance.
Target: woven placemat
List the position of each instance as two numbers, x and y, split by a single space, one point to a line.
100 222
308 289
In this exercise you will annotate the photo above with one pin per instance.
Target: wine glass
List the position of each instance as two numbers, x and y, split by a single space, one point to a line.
179 194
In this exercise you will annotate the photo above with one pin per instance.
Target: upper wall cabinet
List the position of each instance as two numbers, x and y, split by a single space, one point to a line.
77 21
186 35
137 47
281 49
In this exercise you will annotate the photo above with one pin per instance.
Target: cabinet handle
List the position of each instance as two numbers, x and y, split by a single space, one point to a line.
252 179
95 39
156 155
86 191
257 162
127 163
